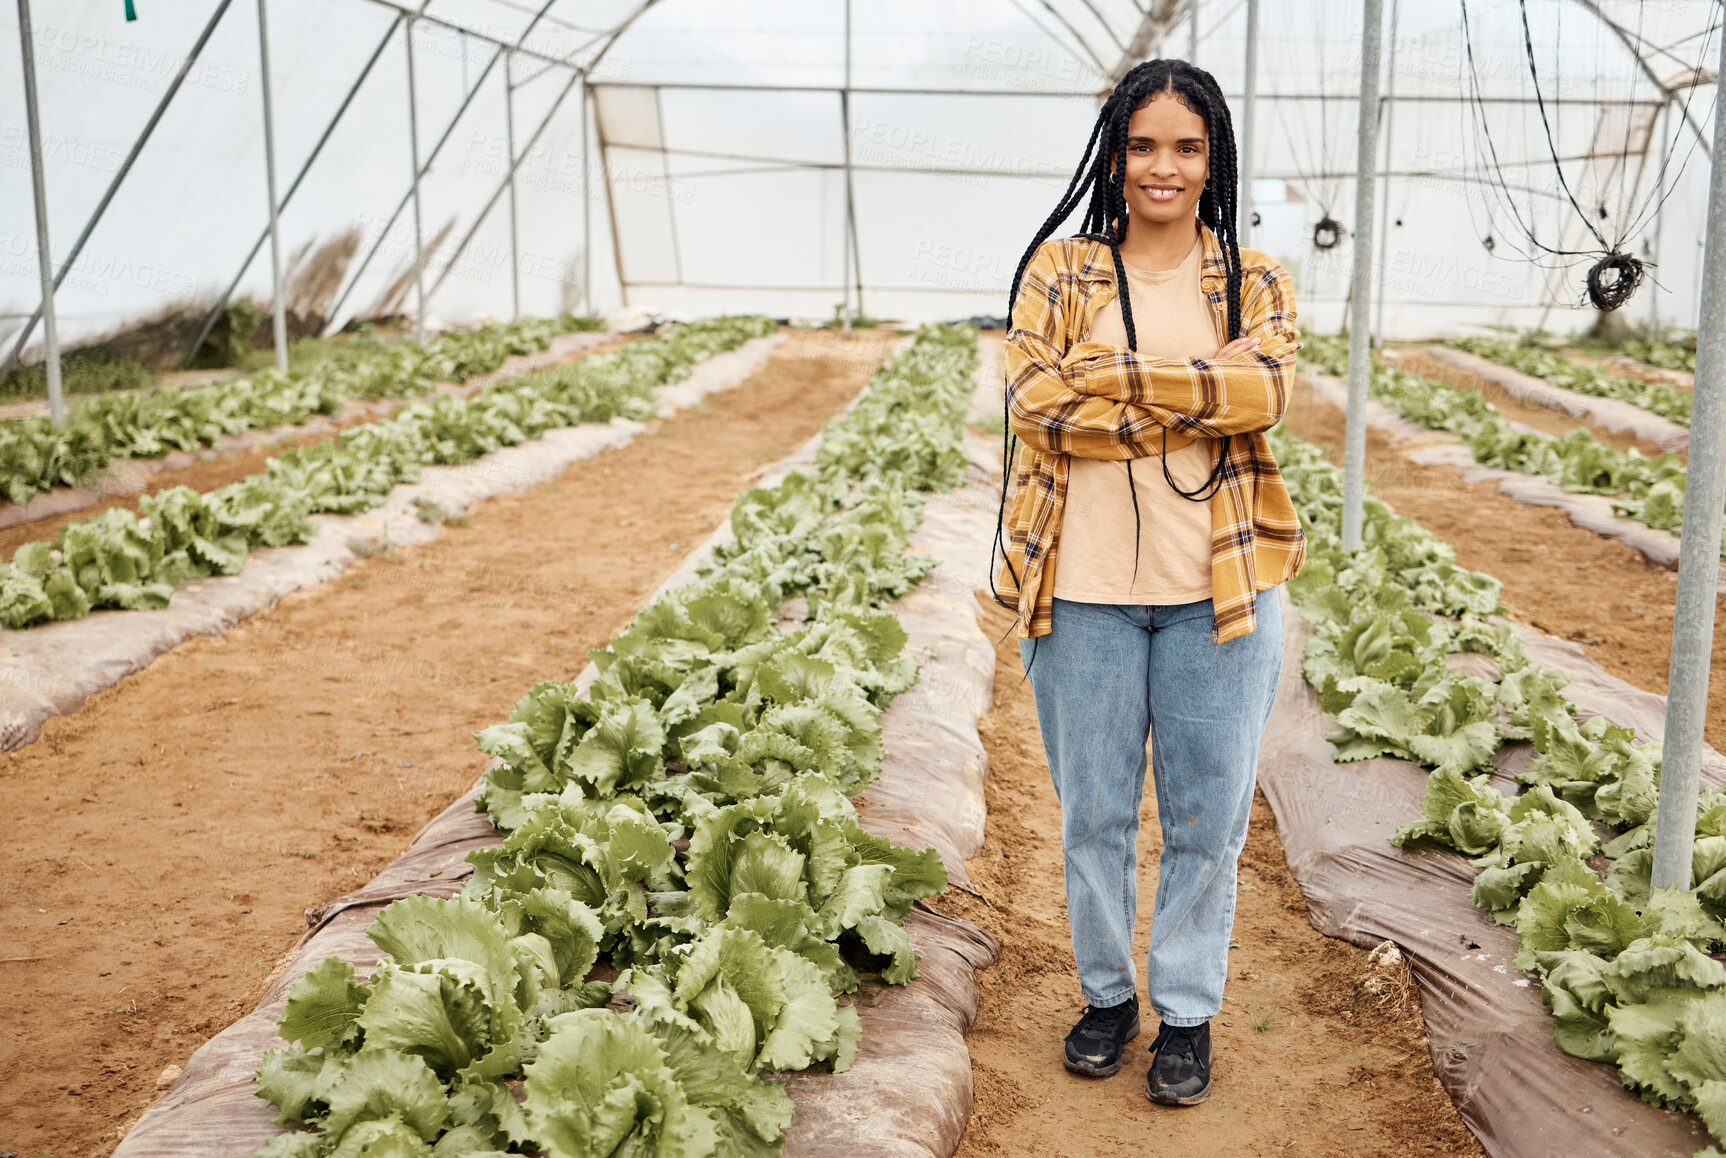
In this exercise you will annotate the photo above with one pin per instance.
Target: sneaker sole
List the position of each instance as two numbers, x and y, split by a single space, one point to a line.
1191 1100
1086 1069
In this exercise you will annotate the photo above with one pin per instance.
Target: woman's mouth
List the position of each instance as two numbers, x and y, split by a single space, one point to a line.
1161 192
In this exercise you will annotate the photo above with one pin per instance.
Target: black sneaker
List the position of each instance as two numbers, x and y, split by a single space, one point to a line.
1181 1071
1095 1045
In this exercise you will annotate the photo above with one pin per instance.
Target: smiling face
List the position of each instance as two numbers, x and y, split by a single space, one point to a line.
1168 159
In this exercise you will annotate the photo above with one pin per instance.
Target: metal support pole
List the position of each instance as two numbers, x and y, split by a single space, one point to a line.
414 149
280 309
509 146
1698 556
1193 32
1249 119
1389 144
586 211
1660 211
39 189
1360 290
845 225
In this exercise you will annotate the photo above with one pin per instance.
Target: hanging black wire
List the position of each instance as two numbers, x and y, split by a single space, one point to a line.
1615 274
1317 175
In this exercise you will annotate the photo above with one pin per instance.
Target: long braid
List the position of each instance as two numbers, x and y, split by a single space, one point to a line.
1082 185
1100 180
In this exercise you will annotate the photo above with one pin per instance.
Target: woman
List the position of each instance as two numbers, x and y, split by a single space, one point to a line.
1148 535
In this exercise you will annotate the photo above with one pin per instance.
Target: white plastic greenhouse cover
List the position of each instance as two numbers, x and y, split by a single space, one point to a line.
709 159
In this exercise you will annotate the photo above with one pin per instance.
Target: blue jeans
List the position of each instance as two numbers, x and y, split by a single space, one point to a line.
1104 677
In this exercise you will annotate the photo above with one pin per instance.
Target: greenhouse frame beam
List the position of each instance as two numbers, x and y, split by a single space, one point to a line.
1073 94
1360 282
586 205
1635 50
1249 122
120 177
215 311
847 231
509 144
39 197
1388 105
1084 45
488 38
1698 557
418 173
278 307
1080 47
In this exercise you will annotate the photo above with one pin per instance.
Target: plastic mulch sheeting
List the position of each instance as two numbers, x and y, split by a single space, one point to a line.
52 669
909 1093
1491 1037
1443 448
1612 413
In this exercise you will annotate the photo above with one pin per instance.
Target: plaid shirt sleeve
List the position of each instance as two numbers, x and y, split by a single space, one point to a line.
1100 401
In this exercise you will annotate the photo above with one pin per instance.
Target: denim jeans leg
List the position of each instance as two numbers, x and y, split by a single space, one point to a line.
1209 706
1089 675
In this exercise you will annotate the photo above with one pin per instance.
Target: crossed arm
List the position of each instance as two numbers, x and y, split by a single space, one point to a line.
1095 400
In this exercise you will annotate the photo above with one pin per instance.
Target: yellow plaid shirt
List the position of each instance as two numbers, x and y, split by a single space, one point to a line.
1071 396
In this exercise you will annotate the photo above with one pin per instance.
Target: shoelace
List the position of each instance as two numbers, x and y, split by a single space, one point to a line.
1178 1043
1100 1023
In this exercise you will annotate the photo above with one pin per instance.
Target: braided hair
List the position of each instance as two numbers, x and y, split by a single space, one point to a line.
1101 178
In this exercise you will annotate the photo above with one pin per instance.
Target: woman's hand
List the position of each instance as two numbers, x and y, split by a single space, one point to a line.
1239 348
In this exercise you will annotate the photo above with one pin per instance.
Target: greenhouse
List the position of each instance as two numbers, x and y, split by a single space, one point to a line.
580 577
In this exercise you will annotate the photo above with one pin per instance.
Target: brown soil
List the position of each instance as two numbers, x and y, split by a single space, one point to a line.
181 822
1567 581
1307 1061
1543 419
217 470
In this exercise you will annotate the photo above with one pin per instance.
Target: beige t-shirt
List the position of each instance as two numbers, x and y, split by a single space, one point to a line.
1094 559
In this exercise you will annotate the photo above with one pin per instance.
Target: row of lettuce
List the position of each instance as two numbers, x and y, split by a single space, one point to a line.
36 456
119 560
1669 402
1674 354
1626 969
1648 490
684 891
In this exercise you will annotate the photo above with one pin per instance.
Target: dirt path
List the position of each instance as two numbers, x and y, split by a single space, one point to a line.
181 823
1558 577
1308 1062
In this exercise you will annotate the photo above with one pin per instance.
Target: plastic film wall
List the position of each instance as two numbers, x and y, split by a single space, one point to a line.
793 155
